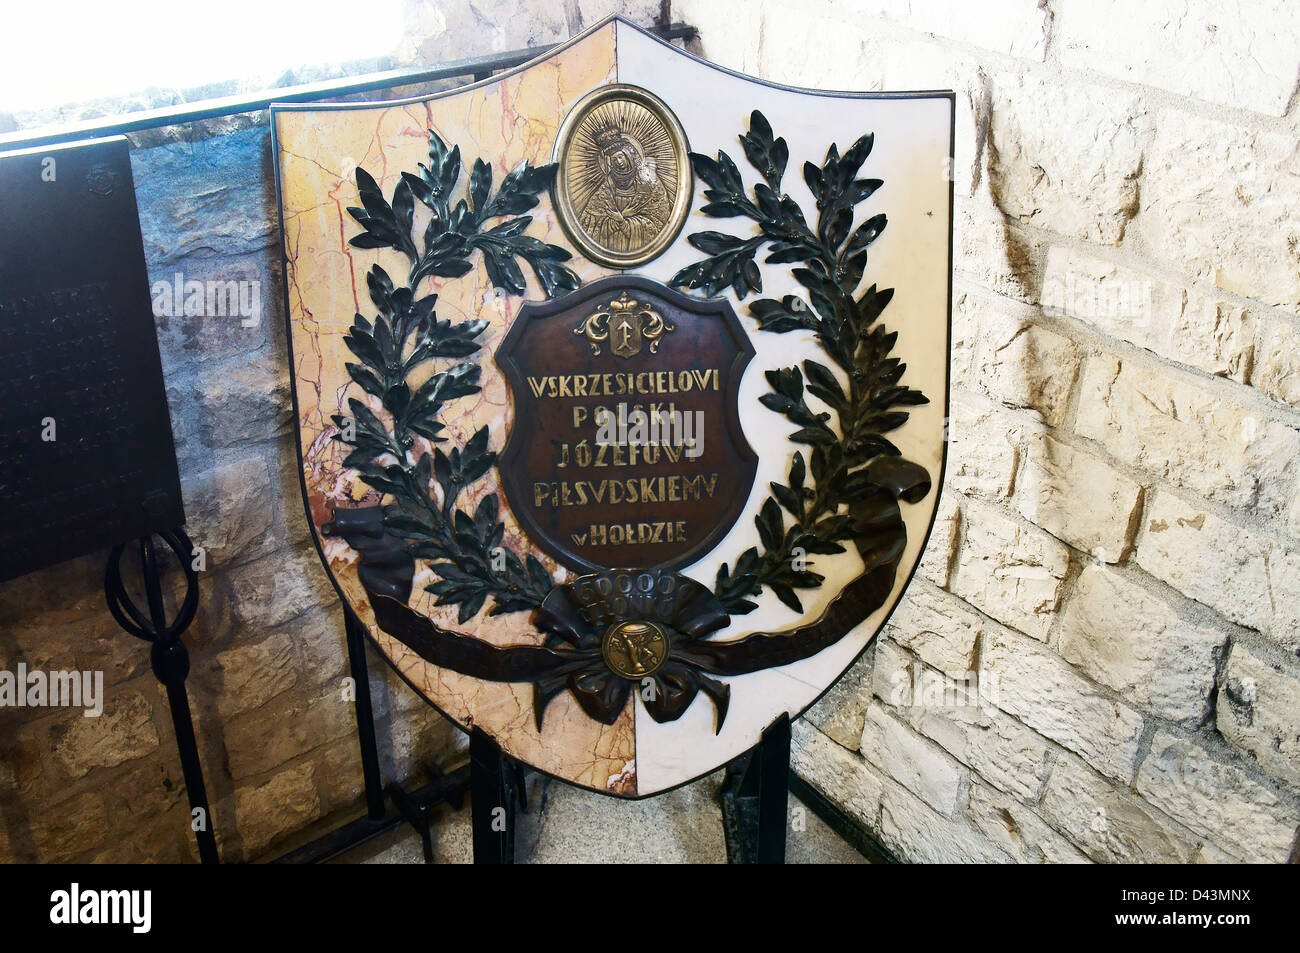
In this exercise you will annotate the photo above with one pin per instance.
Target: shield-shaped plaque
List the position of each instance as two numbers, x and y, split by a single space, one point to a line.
627 447
620 384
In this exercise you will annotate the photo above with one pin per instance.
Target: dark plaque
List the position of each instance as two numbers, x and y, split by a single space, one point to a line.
84 431
626 448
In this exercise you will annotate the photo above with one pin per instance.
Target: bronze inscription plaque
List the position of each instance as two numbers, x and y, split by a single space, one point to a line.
626 448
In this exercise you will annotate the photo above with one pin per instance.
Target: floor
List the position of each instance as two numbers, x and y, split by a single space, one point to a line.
566 825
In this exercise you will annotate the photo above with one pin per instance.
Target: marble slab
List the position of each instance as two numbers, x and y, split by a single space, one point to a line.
516 116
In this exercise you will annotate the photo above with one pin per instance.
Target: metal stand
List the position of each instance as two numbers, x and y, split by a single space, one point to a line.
170 660
755 798
356 643
496 786
413 807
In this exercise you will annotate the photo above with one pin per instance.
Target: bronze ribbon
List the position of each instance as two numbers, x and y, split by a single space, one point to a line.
387 571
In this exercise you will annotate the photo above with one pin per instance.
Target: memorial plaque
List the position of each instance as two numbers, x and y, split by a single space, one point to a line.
620 384
84 429
627 447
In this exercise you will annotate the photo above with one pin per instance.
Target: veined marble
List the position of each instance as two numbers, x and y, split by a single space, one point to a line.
515 117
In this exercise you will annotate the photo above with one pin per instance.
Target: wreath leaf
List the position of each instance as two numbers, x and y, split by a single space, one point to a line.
831 259
465 548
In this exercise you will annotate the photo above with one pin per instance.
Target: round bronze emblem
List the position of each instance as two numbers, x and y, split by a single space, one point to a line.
634 649
623 185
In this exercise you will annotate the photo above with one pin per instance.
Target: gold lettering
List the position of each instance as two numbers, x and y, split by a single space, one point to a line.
649 383
648 533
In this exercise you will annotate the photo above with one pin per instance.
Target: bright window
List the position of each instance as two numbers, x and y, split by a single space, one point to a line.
57 53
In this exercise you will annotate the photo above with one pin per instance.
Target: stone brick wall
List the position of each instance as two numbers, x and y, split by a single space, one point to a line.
275 726
272 710
1098 657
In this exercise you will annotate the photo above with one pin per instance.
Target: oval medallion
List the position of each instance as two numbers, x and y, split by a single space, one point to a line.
623 186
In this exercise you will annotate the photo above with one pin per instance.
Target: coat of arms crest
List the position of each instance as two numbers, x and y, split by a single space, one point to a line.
620 380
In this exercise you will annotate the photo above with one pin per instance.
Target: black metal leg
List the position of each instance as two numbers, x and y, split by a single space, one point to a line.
365 715
171 663
492 800
755 799
188 748
416 814
773 759
412 807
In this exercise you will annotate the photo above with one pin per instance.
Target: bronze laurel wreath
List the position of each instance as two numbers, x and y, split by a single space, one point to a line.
833 257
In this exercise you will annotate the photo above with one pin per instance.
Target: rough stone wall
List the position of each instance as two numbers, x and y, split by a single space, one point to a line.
1115 564
1098 657
275 725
